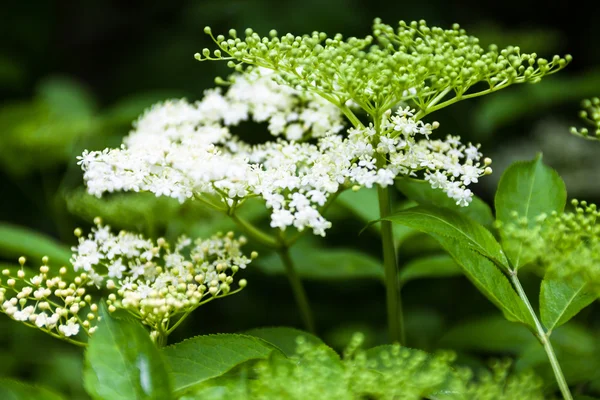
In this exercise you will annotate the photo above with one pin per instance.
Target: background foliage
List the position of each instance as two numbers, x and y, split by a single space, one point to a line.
73 75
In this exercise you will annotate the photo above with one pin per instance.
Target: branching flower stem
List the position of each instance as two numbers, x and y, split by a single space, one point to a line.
543 337
297 289
283 250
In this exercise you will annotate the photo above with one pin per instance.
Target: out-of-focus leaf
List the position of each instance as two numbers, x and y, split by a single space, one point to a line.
436 266
491 334
325 264
128 109
561 300
511 105
16 241
422 192
198 359
14 390
530 189
284 338
365 205
122 363
66 97
577 350
42 133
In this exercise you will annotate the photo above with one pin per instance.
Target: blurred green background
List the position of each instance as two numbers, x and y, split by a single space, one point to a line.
75 74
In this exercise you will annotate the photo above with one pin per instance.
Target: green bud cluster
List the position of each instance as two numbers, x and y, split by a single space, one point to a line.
566 245
591 116
429 66
385 372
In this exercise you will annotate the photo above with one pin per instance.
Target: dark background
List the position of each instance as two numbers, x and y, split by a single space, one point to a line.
117 50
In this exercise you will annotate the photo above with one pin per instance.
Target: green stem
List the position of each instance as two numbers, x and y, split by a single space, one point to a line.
298 289
543 338
255 233
392 290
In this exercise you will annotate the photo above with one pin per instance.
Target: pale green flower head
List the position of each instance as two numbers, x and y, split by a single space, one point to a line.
566 245
428 66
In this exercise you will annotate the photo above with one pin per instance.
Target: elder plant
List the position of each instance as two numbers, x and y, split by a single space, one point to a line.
343 113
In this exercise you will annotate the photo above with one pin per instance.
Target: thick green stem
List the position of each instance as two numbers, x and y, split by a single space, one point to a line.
543 338
298 289
392 290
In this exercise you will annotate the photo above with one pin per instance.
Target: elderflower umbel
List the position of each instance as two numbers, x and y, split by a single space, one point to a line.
157 283
54 303
181 151
430 66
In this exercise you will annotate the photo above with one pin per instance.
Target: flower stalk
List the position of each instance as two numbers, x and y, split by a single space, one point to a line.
544 338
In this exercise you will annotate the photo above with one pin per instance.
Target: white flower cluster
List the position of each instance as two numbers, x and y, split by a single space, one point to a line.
152 281
179 151
55 304
155 282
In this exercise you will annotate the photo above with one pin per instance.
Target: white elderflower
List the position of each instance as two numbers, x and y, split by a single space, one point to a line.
159 289
186 151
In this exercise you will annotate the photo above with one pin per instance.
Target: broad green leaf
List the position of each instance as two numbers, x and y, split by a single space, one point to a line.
489 334
122 363
490 281
16 241
14 390
198 359
472 247
421 192
437 266
561 300
325 264
284 338
450 224
365 205
530 189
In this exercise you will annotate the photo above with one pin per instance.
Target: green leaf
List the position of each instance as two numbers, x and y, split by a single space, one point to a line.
490 281
284 338
198 359
421 192
450 224
365 205
14 390
561 300
325 264
122 363
436 266
529 189
16 241
472 247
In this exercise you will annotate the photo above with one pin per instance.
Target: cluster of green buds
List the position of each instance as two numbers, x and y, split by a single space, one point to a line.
591 115
566 245
157 283
429 66
58 304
